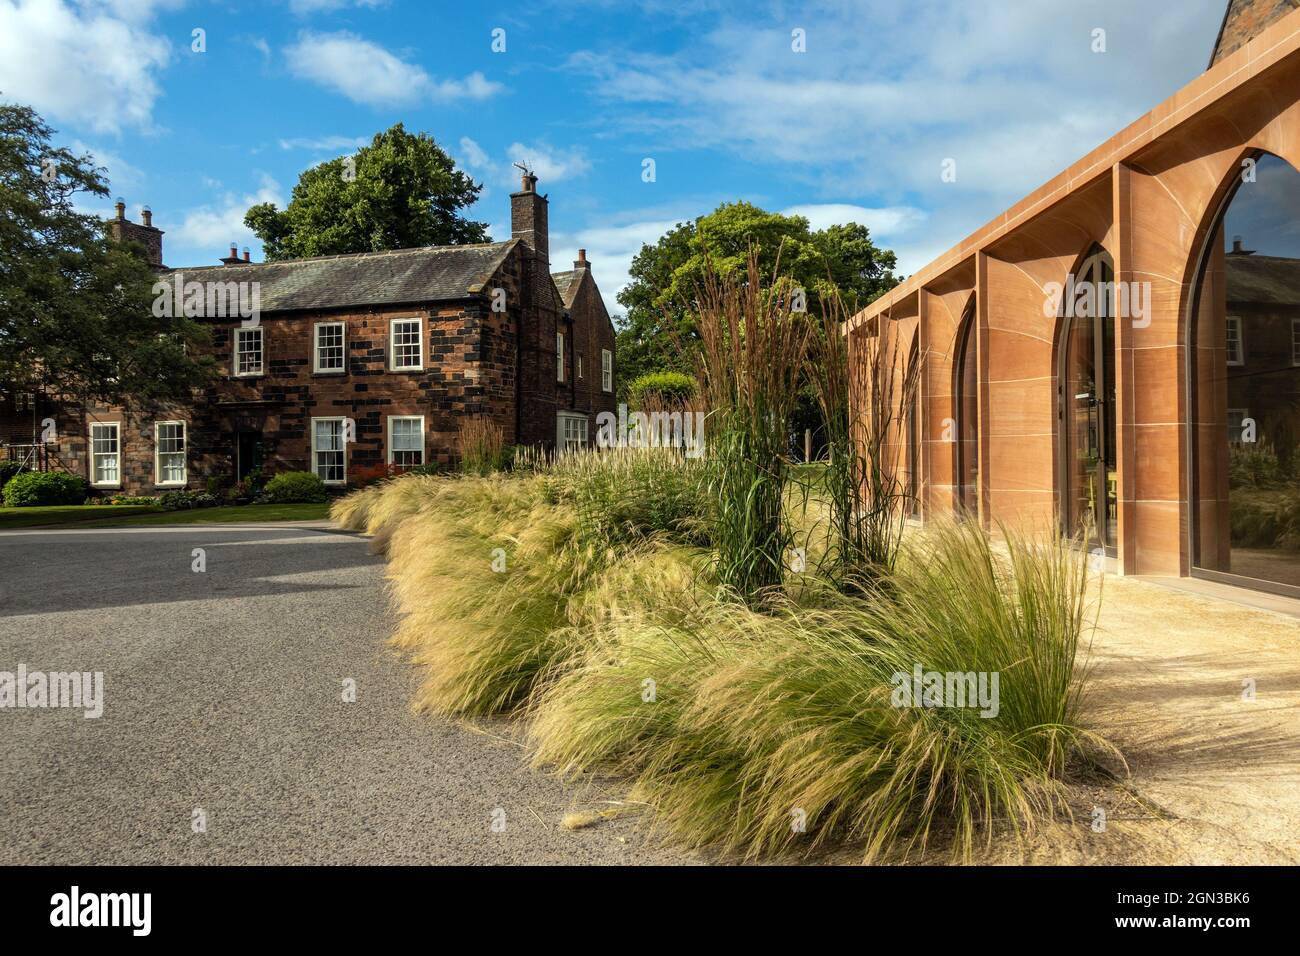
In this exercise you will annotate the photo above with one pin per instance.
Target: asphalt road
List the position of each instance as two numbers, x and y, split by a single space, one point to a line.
224 696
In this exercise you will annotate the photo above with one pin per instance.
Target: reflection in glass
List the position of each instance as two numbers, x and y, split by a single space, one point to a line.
1246 388
967 406
1088 401
912 425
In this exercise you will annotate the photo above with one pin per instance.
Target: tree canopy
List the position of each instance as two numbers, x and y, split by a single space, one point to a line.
664 276
76 315
400 192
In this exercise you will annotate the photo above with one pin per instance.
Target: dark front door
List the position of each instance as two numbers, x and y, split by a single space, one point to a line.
248 456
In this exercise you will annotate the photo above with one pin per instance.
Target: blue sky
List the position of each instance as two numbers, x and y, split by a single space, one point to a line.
856 127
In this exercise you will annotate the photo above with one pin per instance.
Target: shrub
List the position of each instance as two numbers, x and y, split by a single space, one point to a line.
35 488
1265 518
658 390
185 500
7 470
291 487
217 485
1253 465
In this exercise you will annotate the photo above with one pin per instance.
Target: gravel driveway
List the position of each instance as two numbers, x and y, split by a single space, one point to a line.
224 702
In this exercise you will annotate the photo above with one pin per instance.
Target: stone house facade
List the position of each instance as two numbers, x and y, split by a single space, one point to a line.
355 365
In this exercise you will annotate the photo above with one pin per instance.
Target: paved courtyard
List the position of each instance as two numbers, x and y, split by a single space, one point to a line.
224 695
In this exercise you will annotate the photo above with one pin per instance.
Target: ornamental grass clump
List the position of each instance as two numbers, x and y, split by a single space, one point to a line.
626 495
763 733
480 442
863 390
495 581
753 344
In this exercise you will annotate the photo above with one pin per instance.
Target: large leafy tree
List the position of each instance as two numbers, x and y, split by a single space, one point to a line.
76 307
658 330
400 192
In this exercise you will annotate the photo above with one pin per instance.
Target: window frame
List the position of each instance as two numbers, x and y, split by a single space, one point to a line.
392 345
1242 414
316 367
606 370
236 340
424 440
559 355
561 432
158 453
1295 341
335 483
1240 352
117 455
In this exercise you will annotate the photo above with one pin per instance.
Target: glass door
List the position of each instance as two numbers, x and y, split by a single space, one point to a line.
1089 485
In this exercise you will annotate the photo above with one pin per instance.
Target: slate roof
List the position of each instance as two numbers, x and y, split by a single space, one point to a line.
566 286
428 274
1267 280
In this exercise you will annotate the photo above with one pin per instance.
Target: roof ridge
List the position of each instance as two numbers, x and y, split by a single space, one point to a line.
410 250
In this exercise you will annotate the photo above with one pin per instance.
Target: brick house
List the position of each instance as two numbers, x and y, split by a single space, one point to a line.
359 361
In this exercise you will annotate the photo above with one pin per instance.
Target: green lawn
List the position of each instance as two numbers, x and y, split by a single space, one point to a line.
114 516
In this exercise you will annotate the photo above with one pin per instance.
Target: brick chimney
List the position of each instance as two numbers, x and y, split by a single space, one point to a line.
121 229
528 218
581 262
232 259
247 258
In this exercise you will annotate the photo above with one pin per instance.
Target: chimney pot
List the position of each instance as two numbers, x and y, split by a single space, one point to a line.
121 208
246 255
146 216
234 250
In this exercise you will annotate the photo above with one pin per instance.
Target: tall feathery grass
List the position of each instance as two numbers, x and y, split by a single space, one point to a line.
495 577
624 495
862 393
753 345
378 509
766 733
480 443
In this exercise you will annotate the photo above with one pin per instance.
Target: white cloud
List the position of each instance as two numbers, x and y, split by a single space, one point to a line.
1012 91
206 232
610 250
883 222
93 64
473 155
122 176
306 7
549 163
325 144
366 73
